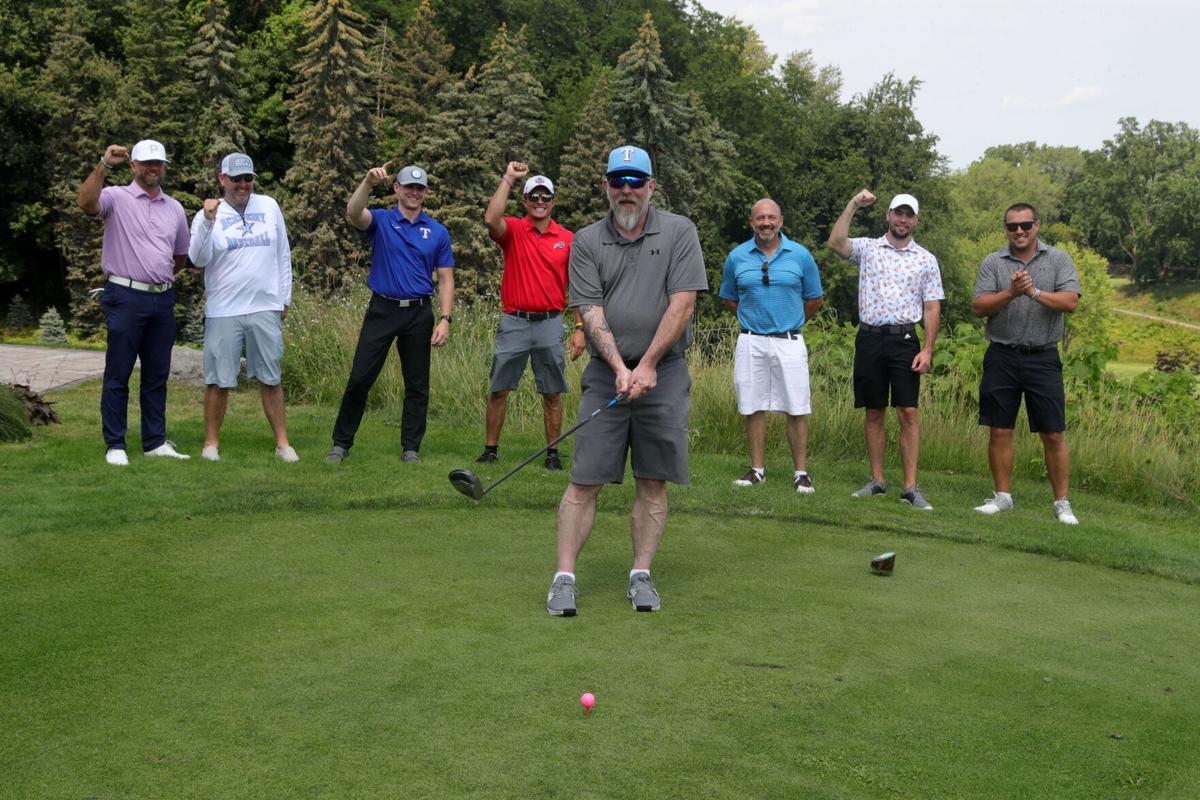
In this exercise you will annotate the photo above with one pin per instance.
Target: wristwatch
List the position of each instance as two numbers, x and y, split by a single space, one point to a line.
446 317
1036 293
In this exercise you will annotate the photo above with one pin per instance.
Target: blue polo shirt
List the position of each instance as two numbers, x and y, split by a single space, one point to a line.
779 307
404 254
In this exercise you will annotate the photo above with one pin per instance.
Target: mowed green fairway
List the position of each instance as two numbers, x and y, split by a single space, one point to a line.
251 629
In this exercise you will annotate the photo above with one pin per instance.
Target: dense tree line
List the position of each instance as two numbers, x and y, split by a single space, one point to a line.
317 91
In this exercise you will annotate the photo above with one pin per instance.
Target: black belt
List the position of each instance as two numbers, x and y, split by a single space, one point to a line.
534 316
907 327
1027 349
785 335
412 301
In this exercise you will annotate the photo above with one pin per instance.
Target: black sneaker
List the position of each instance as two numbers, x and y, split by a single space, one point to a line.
804 484
553 462
488 457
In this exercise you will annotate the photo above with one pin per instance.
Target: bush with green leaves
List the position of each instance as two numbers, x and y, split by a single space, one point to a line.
14 420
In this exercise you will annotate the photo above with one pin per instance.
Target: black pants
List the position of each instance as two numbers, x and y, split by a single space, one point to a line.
140 325
411 328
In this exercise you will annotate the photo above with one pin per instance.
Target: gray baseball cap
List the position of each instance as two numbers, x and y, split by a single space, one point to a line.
411 175
236 164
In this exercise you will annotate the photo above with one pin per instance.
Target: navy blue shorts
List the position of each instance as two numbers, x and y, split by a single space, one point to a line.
883 364
1008 374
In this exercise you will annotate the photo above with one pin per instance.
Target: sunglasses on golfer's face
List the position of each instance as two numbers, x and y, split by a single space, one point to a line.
538 197
240 178
1025 225
766 276
632 181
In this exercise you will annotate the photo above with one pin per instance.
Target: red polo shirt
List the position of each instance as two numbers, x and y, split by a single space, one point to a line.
535 266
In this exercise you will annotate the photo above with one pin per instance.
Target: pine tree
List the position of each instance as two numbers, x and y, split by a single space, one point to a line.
331 129
53 329
77 87
580 199
422 71
485 121
156 94
19 315
220 128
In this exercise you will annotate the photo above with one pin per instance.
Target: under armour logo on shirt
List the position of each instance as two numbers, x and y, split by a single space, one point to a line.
655 252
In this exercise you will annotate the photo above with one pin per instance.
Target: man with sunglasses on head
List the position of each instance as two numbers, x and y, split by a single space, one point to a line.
899 285
407 248
772 285
1024 290
240 241
145 244
533 293
633 280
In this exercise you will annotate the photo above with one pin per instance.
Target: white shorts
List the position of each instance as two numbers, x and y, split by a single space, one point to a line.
771 374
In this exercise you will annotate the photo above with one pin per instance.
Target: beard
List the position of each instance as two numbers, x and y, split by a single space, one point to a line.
627 216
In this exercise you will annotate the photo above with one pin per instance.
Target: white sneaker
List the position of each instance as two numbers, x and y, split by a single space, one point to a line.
118 458
1000 501
165 450
1062 510
210 453
288 454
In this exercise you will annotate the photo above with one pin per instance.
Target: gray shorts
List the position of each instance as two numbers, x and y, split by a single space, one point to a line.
654 428
540 342
261 333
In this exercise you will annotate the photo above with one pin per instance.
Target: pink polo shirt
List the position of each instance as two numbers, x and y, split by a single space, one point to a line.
142 235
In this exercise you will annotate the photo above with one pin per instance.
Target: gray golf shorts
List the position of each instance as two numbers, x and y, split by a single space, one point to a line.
652 430
541 343
260 333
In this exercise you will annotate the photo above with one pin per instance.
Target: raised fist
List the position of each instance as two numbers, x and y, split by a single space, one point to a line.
210 208
115 154
864 198
517 170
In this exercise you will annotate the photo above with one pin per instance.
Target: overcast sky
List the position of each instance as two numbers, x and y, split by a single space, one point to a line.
1058 72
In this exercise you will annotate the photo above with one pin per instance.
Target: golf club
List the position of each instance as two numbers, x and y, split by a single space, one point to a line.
469 484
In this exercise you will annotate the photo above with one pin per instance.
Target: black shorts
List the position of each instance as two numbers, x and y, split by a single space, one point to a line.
1009 373
883 362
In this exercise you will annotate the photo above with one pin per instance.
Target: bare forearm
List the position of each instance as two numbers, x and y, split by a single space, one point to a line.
811 307
446 290
595 327
931 323
494 216
730 305
89 192
356 206
1064 302
839 237
680 308
987 304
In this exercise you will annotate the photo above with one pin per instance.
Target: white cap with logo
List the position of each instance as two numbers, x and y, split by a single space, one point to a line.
149 150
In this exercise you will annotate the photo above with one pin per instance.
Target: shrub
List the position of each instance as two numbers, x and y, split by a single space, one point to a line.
19 318
53 329
14 420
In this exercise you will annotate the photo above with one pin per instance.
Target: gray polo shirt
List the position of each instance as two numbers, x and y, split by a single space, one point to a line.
632 280
1026 322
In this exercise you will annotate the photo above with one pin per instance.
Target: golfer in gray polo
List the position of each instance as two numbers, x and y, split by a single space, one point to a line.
633 281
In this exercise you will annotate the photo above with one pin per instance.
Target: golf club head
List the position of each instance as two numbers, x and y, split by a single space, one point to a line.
467 482
883 564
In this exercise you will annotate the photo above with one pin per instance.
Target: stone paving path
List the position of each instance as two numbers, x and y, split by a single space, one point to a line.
45 368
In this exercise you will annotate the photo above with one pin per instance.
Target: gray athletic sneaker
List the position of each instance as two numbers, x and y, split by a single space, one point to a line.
996 504
642 593
336 455
870 489
561 600
411 457
912 495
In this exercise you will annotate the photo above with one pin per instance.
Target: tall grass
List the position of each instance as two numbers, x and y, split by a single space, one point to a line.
1119 443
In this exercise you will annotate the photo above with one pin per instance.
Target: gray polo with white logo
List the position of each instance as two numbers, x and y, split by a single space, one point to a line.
633 280
1024 321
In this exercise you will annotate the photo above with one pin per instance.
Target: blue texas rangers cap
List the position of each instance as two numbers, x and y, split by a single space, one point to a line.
410 175
629 159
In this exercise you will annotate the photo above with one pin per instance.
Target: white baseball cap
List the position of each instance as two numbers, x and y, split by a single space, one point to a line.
905 200
539 181
149 150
